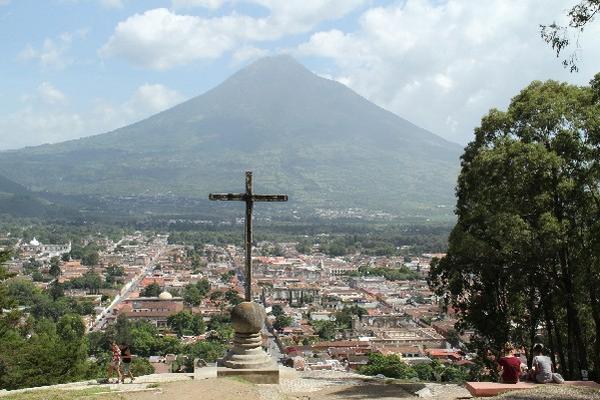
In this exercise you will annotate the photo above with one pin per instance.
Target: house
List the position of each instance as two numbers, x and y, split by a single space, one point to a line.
155 310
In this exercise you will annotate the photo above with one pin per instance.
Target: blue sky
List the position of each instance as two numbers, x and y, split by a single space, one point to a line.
73 68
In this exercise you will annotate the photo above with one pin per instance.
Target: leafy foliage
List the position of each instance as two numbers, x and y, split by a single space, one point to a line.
558 37
392 366
194 293
152 290
184 323
525 250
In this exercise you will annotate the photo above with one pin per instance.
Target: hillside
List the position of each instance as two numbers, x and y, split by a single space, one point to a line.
16 200
304 135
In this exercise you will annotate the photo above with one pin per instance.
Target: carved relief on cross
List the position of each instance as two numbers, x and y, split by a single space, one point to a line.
249 198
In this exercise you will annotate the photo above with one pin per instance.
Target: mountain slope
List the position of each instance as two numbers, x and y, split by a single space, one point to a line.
304 135
16 200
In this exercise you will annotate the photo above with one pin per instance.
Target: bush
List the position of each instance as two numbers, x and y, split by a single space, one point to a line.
390 366
141 366
424 372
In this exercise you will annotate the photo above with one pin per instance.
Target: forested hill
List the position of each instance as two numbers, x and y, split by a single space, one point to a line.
9 187
16 200
304 135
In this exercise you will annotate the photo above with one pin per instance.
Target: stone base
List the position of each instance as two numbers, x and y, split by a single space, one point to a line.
258 376
205 373
247 353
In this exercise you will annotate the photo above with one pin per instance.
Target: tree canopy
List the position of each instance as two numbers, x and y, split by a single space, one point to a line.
525 252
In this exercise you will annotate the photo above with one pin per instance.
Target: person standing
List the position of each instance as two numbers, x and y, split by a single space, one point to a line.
126 363
115 362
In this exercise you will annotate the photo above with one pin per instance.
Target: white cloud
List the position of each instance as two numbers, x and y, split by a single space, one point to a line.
4 2
210 4
162 39
151 98
48 117
443 64
148 99
53 52
248 53
32 125
112 3
49 94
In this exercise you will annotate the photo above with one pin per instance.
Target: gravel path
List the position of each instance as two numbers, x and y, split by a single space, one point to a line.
333 385
554 392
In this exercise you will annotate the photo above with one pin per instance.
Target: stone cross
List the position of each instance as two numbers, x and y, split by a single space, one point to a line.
249 197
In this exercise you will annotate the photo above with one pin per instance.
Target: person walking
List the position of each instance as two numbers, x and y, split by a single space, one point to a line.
115 362
126 363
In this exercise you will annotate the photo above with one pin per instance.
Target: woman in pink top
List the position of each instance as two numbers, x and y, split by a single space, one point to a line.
115 362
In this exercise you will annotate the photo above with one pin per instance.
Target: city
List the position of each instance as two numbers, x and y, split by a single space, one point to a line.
325 312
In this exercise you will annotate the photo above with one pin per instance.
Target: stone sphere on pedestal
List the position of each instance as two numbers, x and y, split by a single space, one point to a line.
248 317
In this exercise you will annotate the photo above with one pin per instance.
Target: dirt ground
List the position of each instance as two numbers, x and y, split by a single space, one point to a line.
210 389
363 392
226 389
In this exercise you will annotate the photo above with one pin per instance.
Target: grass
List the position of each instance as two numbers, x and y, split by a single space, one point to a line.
553 392
56 394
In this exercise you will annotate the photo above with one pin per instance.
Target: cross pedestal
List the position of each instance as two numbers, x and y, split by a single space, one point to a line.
247 319
247 359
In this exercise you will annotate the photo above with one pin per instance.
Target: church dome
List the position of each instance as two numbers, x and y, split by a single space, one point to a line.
165 296
34 242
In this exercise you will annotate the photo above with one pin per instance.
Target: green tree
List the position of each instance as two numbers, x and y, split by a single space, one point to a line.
54 353
233 297
344 317
5 300
277 310
325 329
226 277
152 290
424 372
390 366
304 247
55 267
192 295
113 273
524 251
208 350
123 330
559 37
197 327
281 321
203 286
180 322
141 366
91 259
216 295
56 290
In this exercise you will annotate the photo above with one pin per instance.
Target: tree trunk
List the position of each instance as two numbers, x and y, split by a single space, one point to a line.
575 340
549 326
595 304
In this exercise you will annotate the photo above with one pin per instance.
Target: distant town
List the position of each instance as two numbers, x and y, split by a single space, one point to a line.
324 312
